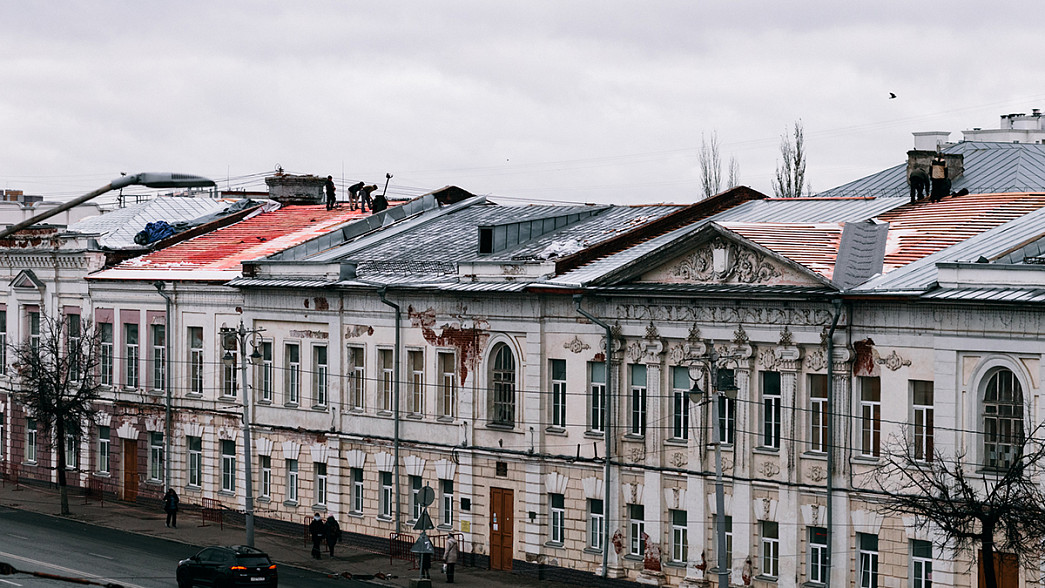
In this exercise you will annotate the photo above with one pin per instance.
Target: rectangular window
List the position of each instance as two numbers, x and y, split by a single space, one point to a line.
727 523
415 503
557 368
386 495
3 341
557 503
817 565
818 413
292 480
72 345
356 379
228 466
867 561
72 453
105 345
770 549
771 410
386 367
921 564
103 450
870 416
680 386
596 523
727 411
636 529
415 364
34 329
321 483
229 363
130 355
597 397
195 448
30 440
638 399
922 407
679 535
266 385
196 360
319 375
265 461
357 489
159 357
447 510
448 384
292 357
155 456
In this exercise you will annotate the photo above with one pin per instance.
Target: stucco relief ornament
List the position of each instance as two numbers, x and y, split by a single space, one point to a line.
694 334
769 469
634 351
576 345
651 332
679 459
637 454
787 339
816 360
618 542
817 473
893 361
740 336
767 358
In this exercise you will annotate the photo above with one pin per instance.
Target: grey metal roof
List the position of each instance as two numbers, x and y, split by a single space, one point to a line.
1010 295
989 168
715 290
810 210
278 283
921 274
116 229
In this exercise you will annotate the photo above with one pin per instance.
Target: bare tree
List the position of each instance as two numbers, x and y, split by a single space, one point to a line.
56 372
733 179
1002 508
710 166
790 179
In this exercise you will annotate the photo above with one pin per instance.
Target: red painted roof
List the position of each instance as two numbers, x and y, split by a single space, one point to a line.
814 246
921 229
258 236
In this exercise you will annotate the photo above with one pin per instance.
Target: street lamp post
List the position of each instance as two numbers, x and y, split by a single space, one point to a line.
148 179
717 390
242 333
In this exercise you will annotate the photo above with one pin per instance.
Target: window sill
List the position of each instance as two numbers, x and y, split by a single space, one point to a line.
676 564
445 419
632 557
677 442
384 413
227 399
102 474
767 450
384 518
594 434
319 508
865 459
194 395
762 578
415 416
814 455
226 493
193 489
290 503
320 408
502 427
356 410
445 527
557 431
355 515
592 550
290 405
633 437
263 402
553 544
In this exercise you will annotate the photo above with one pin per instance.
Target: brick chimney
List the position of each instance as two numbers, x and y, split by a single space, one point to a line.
288 189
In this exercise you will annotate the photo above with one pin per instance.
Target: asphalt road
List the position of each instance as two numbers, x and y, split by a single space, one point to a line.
39 543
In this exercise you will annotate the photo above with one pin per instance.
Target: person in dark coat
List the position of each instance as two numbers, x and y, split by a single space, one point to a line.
170 506
315 528
333 533
331 198
919 181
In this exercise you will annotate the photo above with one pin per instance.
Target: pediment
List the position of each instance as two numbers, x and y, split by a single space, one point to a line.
725 261
27 280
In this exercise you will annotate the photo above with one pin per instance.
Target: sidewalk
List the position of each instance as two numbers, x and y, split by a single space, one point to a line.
283 549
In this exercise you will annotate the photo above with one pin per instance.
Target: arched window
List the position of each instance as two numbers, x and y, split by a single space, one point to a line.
1002 420
502 386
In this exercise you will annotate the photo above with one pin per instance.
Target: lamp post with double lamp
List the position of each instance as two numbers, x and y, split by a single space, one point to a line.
242 333
718 389
148 179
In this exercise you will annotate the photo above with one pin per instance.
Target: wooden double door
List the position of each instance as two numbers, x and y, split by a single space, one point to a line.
502 509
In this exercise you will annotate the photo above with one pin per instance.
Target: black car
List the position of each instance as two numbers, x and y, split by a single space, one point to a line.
225 567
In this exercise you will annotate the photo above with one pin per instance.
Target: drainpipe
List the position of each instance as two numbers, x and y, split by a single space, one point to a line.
837 303
167 383
607 431
395 403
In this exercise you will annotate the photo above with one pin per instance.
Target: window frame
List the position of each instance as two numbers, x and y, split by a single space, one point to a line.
265 465
503 382
415 365
103 466
320 376
356 490
158 342
636 529
356 374
156 456
228 466
638 390
320 488
679 535
386 494
816 563
596 397
446 512
1005 438
769 538
292 375
772 409
867 560
556 518
194 456
557 386
448 383
596 523
131 355
681 384
293 480
923 420
870 416
107 354
818 417
196 360
386 367
920 565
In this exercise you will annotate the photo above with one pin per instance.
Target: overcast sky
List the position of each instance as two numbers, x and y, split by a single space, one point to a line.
603 101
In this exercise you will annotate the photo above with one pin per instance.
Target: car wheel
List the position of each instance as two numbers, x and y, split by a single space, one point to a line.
184 582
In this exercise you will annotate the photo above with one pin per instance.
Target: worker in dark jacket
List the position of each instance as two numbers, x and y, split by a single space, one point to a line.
315 528
331 198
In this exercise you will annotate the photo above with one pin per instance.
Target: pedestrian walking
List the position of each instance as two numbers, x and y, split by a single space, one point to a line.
333 533
170 506
450 557
331 198
315 528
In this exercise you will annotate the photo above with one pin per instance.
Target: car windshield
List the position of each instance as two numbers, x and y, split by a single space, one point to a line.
252 560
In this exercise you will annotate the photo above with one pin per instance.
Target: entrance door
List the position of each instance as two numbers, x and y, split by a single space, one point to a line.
502 507
130 470
1007 567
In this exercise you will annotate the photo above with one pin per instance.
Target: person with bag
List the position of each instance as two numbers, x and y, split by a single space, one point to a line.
333 533
450 557
170 506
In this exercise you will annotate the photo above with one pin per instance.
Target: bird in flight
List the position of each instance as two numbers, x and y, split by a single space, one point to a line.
891 95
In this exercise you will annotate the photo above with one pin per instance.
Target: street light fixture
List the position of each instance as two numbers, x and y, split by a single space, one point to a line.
242 333
720 387
148 179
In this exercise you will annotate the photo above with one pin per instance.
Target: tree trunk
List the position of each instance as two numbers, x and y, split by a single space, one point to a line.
63 489
990 578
